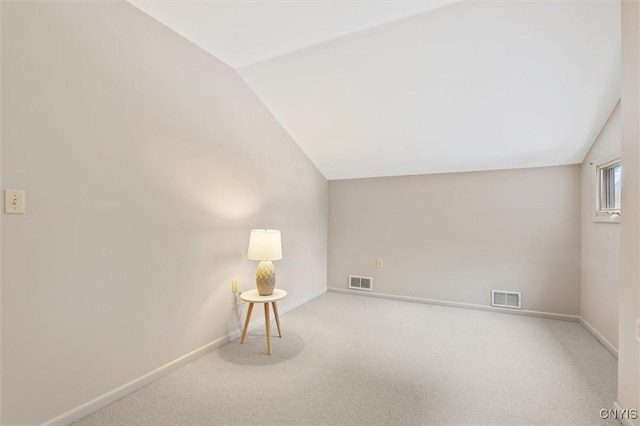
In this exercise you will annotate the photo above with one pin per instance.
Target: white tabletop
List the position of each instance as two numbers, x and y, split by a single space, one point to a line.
254 297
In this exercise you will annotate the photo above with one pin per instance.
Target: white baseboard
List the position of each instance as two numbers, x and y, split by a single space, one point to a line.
623 421
574 318
112 396
301 302
548 315
599 337
109 397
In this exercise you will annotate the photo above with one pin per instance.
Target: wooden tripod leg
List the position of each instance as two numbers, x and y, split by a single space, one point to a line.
275 314
246 322
266 320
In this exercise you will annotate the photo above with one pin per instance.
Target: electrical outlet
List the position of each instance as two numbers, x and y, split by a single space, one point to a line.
379 263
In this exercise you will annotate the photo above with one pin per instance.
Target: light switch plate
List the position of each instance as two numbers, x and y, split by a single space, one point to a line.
14 201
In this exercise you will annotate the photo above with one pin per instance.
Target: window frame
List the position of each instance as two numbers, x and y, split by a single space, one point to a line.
605 215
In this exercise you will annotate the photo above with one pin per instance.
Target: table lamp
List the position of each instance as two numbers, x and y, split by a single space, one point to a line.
264 246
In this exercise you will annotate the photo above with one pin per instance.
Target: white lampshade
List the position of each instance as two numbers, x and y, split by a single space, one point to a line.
265 244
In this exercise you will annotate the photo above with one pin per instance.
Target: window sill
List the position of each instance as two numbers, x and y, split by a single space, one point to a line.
606 218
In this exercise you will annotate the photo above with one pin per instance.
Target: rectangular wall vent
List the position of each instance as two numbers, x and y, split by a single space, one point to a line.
506 299
360 283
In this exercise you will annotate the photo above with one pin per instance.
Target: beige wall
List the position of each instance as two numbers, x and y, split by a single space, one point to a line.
146 162
0 220
454 237
600 241
628 354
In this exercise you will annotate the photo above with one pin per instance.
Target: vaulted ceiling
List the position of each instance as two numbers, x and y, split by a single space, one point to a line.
380 88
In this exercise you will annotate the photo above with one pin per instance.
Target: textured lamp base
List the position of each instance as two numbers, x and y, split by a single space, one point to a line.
265 278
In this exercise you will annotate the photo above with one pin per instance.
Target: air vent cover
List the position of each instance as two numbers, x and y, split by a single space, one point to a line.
360 283
506 299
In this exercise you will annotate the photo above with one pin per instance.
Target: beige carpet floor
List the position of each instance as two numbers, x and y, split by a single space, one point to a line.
355 360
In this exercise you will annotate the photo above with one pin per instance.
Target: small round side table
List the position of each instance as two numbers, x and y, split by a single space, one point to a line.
252 296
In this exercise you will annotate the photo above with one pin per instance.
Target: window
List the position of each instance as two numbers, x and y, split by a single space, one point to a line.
608 185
